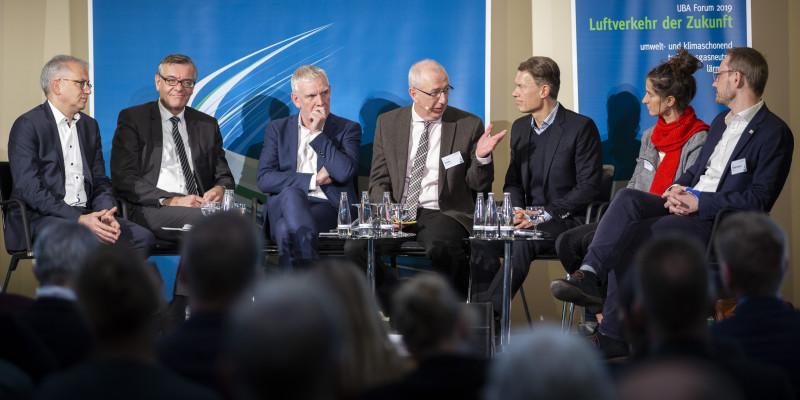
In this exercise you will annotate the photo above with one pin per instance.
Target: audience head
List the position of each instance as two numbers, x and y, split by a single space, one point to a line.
65 82
285 344
60 250
677 379
429 87
118 293
752 251
673 78
429 316
536 364
175 79
220 256
368 354
671 283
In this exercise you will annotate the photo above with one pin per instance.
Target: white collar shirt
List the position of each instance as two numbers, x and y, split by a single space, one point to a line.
170 176
74 189
547 121
722 151
57 292
307 158
429 187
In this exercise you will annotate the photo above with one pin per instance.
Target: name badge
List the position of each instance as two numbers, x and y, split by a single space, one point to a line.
738 166
452 160
648 165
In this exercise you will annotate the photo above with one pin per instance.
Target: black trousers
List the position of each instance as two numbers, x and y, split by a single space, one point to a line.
443 239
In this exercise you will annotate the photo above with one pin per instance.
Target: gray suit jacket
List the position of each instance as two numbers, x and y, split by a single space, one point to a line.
648 153
457 185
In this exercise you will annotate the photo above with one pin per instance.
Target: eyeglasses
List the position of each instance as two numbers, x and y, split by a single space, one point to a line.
83 84
718 73
187 83
437 93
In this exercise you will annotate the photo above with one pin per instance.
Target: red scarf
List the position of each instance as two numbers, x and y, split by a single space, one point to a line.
669 138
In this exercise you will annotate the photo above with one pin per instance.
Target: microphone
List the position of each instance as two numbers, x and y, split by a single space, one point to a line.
427 108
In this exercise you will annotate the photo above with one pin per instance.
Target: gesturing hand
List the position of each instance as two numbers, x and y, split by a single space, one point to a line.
487 142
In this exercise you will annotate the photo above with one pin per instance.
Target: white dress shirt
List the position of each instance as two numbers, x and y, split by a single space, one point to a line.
170 177
307 158
722 151
74 190
429 186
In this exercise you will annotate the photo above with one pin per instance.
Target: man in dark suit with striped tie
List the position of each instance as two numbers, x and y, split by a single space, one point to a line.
166 158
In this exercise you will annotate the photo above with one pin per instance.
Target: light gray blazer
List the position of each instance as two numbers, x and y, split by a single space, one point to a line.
648 153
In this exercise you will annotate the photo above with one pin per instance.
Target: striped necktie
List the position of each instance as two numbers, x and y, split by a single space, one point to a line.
188 175
412 199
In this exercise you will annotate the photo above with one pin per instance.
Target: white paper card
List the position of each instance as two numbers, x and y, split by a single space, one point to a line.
452 160
648 165
738 166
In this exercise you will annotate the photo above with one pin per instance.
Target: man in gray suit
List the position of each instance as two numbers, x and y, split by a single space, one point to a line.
432 158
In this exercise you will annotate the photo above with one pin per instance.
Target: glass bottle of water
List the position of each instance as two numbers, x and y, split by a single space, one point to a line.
365 221
491 226
344 220
507 226
479 220
386 215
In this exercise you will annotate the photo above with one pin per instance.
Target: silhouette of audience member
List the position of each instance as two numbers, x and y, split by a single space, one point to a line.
119 297
286 343
672 295
753 253
535 365
677 379
15 384
369 357
61 250
435 329
221 255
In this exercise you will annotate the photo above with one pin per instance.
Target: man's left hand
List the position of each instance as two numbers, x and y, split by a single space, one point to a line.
214 194
679 201
487 143
323 177
108 219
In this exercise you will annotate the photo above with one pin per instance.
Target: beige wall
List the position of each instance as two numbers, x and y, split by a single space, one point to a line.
35 30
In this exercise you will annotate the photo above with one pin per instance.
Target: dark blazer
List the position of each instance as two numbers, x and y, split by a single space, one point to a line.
337 150
37 168
136 154
573 168
766 145
767 330
457 185
61 327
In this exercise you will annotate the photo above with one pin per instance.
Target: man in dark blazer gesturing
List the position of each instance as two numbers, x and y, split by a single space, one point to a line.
307 162
743 164
56 162
166 158
433 158
556 163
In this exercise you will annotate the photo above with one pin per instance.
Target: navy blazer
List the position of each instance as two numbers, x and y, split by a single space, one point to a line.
337 150
136 154
37 168
573 166
766 146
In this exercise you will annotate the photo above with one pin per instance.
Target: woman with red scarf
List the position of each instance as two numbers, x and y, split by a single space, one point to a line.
668 149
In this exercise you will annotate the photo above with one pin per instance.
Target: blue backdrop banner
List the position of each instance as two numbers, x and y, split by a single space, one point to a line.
616 42
246 51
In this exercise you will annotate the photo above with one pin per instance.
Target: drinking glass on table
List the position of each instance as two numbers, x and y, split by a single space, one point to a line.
536 217
240 208
209 207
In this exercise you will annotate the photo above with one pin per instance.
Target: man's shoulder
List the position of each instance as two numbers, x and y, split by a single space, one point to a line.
36 114
573 117
194 114
396 113
341 120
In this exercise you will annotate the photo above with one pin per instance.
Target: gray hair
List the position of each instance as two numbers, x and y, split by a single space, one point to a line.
61 249
306 72
426 312
534 369
176 59
56 68
415 73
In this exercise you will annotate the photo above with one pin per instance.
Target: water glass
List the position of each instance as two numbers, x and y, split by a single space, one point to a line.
209 207
240 208
537 218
